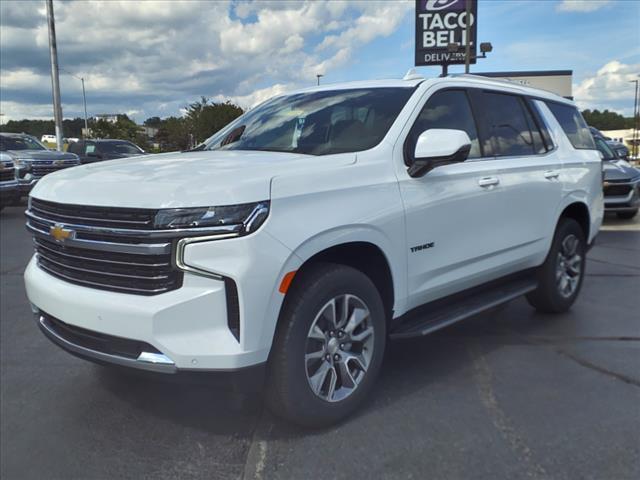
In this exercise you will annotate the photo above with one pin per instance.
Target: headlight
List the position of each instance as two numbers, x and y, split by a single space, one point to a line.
22 164
248 216
623 163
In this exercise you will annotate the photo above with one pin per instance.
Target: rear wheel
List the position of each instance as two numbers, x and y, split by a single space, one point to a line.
627 215
560 276
328 348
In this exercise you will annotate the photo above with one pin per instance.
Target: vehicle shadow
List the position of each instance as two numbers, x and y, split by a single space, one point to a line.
409 367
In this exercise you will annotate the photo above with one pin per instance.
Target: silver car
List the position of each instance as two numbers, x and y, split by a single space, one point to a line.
32 160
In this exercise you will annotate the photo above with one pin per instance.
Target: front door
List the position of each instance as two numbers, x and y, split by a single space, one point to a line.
454 227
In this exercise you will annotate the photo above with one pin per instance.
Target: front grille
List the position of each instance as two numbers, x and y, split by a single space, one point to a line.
127 273
617 190
134 218
40 168
7 174
113 249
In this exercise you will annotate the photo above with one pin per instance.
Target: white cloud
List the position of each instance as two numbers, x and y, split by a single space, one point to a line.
581 5
609 88
156 56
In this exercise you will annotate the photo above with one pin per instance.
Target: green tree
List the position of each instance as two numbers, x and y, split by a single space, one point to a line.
123 129
205 118
607 120
173 134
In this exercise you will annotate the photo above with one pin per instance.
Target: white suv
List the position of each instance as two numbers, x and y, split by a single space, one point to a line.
291 245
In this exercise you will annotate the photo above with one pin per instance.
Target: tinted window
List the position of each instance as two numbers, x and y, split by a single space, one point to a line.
445 109
20 143
76 147
119 147
573 125
604 148
508 124
536 137
316 123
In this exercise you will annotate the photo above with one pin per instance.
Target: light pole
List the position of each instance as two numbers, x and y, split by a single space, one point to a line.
635 120
84 100
318 76
55 79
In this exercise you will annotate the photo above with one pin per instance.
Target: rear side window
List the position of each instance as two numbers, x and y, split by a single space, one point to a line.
573 125
445 109
509 125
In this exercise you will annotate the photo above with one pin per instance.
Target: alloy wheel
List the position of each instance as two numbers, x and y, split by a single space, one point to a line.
339 348
568 266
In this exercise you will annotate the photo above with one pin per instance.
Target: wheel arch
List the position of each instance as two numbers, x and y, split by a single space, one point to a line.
579 211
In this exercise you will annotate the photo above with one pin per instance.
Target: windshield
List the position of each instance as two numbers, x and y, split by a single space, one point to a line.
120 147
317 123
20 143
605 149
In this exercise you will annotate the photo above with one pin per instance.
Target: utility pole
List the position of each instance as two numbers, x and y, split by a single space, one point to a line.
467 28
55 79
636 114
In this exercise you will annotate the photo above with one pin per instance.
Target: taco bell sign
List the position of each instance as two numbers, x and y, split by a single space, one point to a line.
439 23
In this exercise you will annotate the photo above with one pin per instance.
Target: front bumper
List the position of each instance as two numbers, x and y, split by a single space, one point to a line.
624 203
25 186
9 191
189 326
114 351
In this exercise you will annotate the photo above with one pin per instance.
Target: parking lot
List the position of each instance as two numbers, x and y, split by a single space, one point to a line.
509 394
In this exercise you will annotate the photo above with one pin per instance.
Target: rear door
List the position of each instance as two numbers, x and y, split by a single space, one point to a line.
529 169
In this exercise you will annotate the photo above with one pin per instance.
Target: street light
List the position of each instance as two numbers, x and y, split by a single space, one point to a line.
84 99
318 76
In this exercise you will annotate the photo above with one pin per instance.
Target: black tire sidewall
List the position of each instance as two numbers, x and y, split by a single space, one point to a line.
547 297
311 293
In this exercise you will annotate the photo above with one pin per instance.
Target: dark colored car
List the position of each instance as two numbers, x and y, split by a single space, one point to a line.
620 148
9 190
91 151
621 185
32 160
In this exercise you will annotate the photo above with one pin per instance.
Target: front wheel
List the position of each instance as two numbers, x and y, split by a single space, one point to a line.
328 348
560 276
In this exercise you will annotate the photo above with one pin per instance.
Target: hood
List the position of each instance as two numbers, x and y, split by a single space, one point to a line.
616 170
189 179
42 155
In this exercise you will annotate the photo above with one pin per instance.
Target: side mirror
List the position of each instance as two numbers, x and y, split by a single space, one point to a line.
437 147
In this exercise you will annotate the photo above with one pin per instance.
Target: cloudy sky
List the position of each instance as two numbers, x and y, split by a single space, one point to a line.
147 58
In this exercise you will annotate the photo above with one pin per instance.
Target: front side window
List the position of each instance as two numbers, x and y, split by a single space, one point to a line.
573 125
604 148
315 123
76 147
508 125
20 143
119 147
448 109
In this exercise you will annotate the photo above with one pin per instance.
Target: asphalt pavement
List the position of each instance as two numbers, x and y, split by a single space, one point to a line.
505 395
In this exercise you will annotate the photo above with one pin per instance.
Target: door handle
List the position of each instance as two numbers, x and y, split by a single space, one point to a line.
551 174
488 181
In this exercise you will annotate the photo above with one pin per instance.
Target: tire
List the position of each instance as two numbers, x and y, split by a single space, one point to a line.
560 276
309 303
627 215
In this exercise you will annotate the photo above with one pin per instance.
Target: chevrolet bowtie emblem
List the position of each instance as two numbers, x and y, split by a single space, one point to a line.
60 233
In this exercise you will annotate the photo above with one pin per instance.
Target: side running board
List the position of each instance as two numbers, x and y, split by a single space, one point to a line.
442 313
